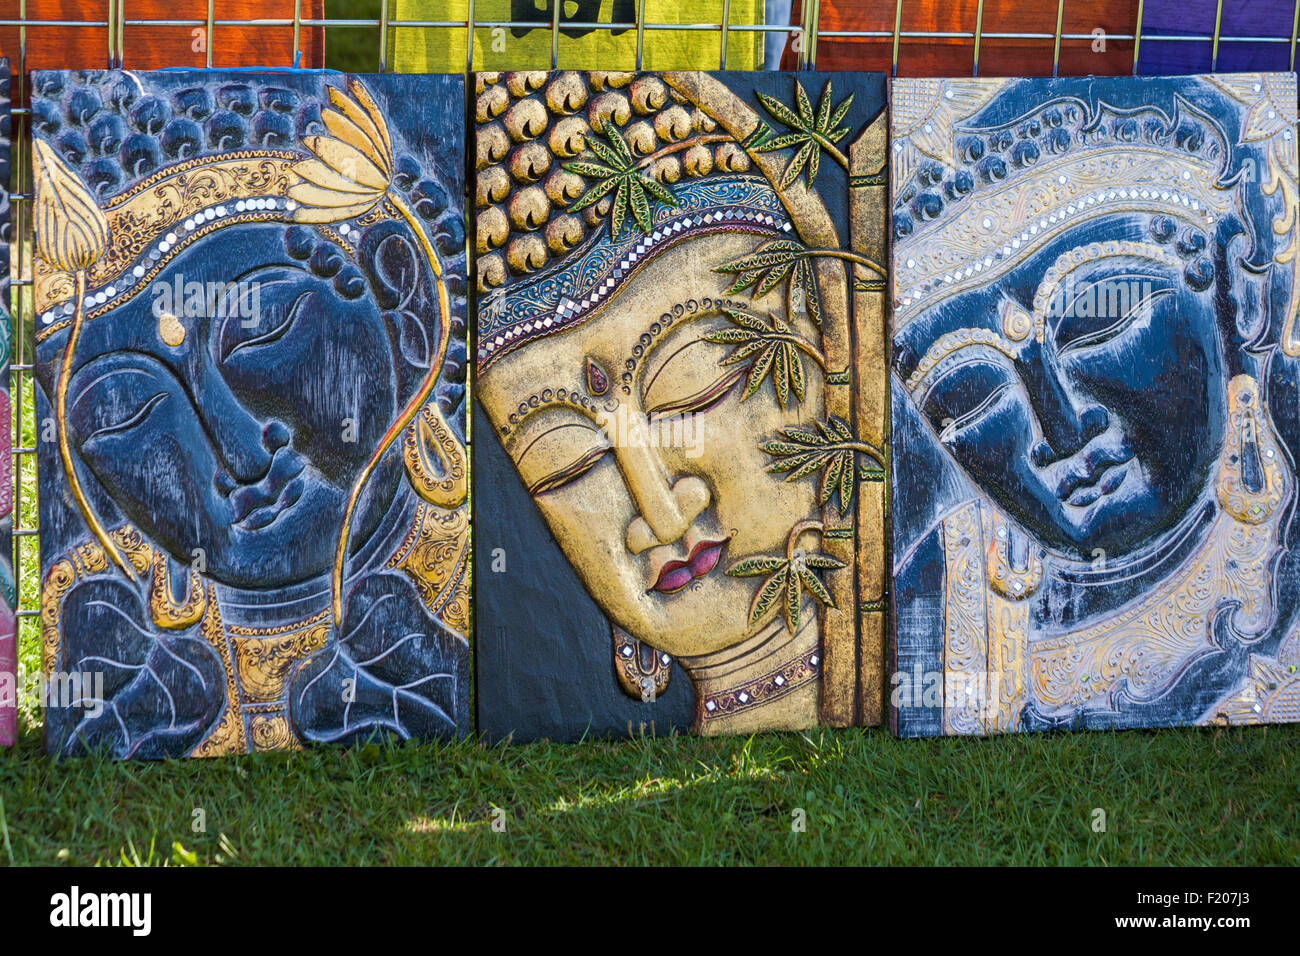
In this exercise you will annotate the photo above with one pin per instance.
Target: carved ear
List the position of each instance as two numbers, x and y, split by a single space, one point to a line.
435 459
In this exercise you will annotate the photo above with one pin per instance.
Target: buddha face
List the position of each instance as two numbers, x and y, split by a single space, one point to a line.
241 435
1103 434
654 491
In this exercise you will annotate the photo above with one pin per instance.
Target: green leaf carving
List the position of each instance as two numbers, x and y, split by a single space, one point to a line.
772 262
787 577
752 566
809 134
833 450
617 172
770 347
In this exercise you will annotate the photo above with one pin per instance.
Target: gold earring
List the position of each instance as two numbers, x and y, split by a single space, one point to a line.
1251 482
166 612
1007 580
641 670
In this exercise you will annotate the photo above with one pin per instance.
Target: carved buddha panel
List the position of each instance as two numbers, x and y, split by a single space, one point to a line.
250 364
680 389
1094 403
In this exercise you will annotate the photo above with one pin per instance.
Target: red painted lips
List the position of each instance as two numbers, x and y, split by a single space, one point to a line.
675 575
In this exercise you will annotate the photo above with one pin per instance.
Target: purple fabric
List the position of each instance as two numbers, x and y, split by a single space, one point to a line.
8 676
1253 20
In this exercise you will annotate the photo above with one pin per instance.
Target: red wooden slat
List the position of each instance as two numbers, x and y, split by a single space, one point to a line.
148 47
953 56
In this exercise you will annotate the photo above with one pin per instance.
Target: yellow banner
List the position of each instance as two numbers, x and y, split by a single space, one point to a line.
526 47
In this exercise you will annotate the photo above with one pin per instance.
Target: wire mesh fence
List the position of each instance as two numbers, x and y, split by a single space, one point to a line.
344 41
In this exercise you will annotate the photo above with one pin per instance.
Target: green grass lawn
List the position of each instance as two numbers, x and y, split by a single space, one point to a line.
1191 797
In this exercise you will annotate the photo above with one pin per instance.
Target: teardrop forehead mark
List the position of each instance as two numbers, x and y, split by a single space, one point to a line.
170 329
595 376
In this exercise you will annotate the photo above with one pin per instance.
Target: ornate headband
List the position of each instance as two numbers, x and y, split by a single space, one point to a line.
564 295
161 216
349 183
1084 163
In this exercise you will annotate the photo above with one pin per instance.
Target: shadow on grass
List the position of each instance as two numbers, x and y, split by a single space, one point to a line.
1183 796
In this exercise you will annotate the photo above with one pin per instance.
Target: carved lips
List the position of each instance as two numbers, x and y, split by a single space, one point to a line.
1102 473
675 575
256 506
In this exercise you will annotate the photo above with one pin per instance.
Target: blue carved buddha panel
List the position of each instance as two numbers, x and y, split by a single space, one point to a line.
681 400
1094 403
250 384
8 596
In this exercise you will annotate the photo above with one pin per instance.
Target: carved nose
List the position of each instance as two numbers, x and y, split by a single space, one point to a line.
665 515
275 436
223 482
1092 421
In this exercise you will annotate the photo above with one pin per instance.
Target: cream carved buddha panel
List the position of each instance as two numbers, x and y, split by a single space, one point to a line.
1094 403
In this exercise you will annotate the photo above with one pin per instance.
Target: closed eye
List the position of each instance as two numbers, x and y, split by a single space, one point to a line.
569 473
1102 336
964 393
975 414
131 422
594 440
1098 291
688 379
276 333
702 400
